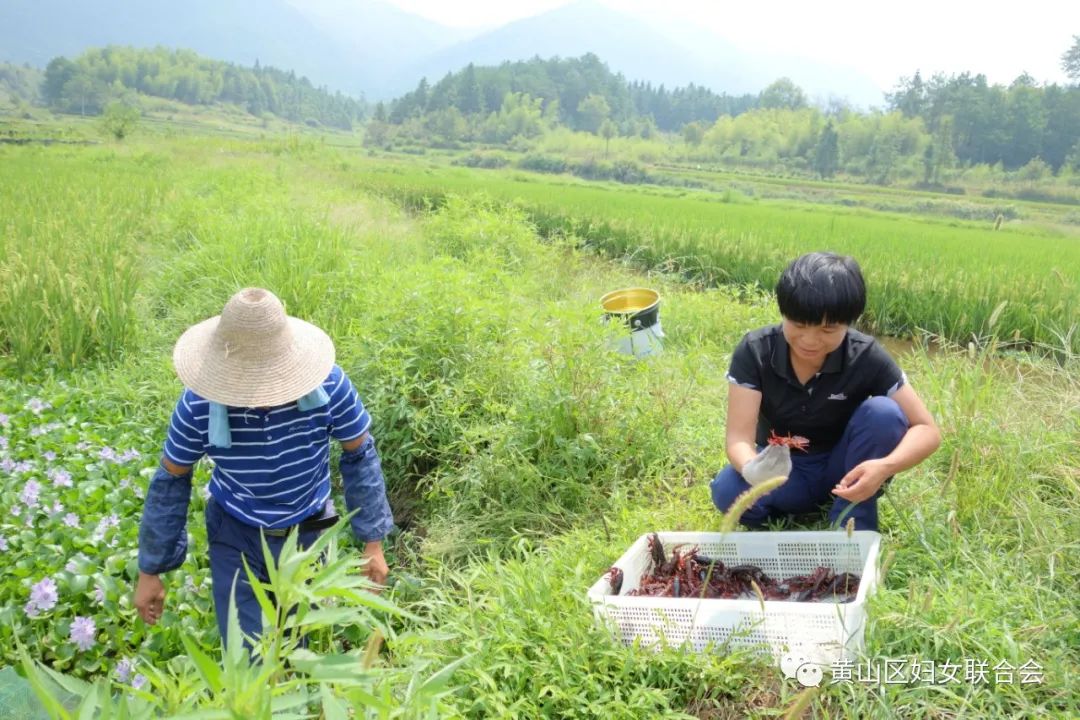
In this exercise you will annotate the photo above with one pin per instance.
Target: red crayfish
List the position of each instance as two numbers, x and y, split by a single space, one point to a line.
797 442
687 573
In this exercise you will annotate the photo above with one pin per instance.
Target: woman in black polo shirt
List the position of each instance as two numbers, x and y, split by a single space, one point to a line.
814 377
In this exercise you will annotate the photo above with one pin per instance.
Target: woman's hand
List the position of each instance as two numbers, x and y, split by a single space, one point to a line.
773 461
149 598
864 480
376 568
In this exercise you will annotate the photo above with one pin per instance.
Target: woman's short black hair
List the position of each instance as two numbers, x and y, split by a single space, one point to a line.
821 288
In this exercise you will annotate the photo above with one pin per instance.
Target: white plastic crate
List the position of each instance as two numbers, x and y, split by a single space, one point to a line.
819 632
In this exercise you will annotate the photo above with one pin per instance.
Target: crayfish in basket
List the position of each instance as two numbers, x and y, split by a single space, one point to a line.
688 573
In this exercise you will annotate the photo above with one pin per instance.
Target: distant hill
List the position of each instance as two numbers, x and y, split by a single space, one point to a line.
91 81
378 39
274 32
626 44
19 84
373 48
676 53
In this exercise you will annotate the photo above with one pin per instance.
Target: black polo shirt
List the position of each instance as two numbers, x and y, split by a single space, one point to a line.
820 409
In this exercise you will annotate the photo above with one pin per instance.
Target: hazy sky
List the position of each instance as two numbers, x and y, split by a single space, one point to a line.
884 40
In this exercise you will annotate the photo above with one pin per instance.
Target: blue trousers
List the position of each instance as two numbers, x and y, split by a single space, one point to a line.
874 431
230 542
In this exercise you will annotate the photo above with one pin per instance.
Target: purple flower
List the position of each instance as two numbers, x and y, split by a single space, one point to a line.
7 465
71 520
138 681
30 493
57 508
3 442
60 477
43 594
107 453
82 445
24 466
16 510
109 521
4 419
99 595
36 405
30 609
82 632
3 544
49 455
124 668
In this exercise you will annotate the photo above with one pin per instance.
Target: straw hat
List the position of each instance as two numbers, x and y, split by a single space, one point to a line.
253 354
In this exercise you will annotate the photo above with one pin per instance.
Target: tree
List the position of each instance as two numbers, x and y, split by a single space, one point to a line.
593 110
470 97
693 133
939 151
1025 123
782 95
827 156
377 132
82 91
57 74
120 119
884 154
608 130
1070 61
910 97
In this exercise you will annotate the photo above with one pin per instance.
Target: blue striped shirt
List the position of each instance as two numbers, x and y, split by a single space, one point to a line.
277 470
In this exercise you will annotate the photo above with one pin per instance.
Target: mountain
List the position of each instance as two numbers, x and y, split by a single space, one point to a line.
378 38
344 45
626 44
372 48
674 53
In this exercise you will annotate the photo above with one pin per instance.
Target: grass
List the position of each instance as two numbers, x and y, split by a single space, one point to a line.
521 453
953 278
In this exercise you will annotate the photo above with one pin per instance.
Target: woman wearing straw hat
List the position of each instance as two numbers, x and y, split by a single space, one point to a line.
262 399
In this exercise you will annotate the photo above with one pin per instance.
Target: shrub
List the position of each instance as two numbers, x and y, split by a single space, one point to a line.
542 163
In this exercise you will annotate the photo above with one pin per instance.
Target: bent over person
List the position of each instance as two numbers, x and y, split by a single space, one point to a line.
262 398
832 393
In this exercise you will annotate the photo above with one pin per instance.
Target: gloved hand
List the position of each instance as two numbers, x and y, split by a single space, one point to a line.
771 462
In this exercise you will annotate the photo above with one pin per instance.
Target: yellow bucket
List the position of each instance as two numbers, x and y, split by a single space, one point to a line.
639 307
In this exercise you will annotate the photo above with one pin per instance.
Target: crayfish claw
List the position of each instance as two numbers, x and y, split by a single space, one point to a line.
615 578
